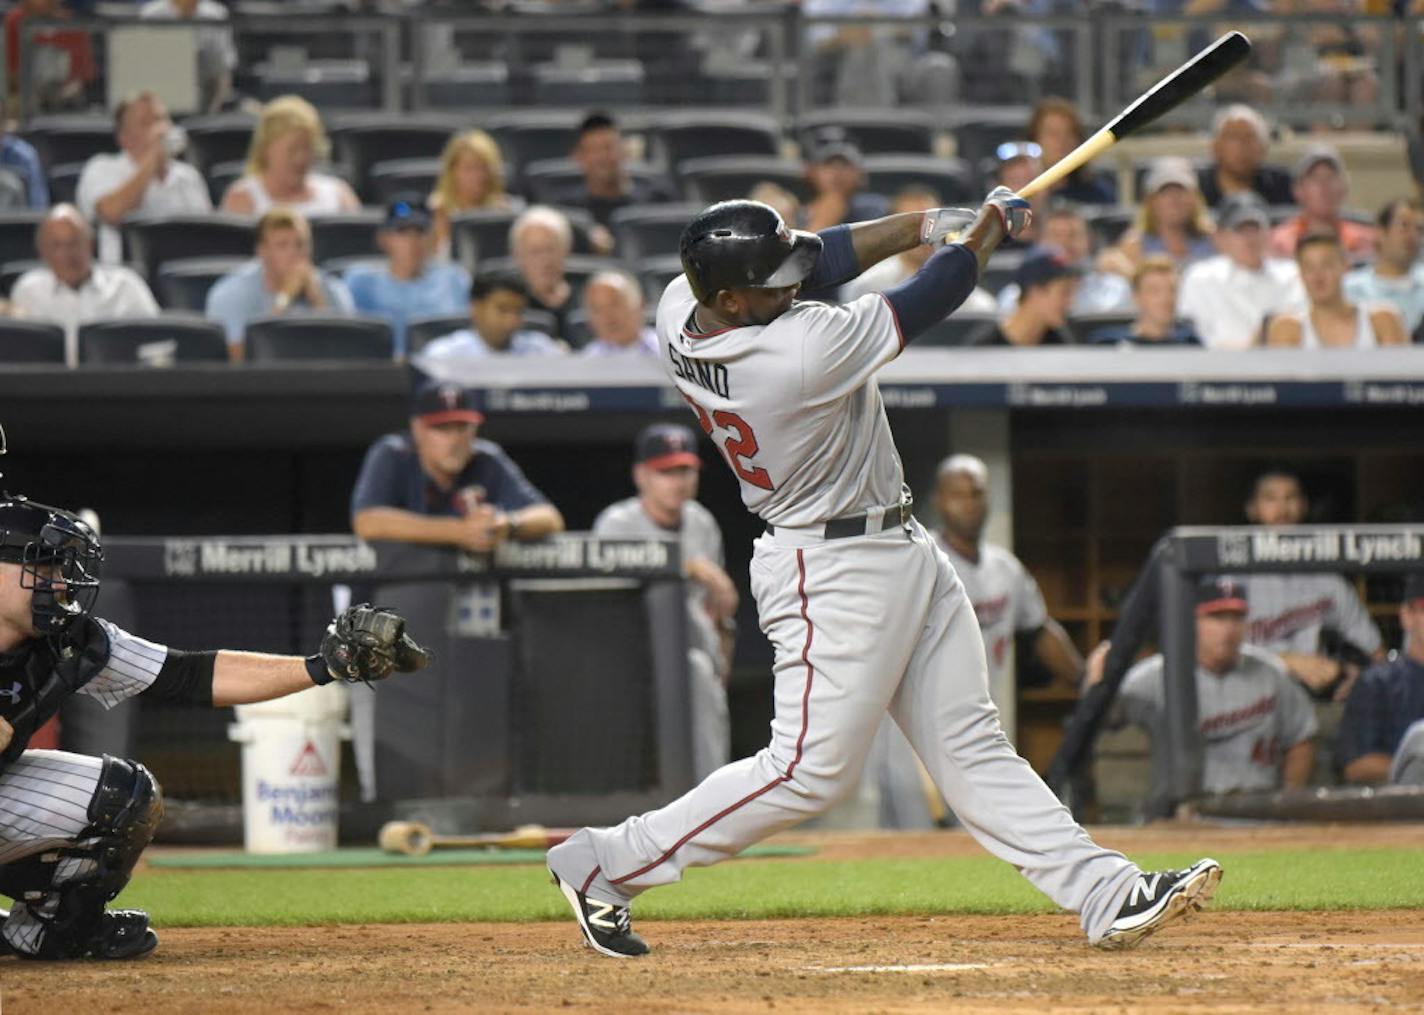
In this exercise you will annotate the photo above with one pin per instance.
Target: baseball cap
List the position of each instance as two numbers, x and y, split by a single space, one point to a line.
1165 172
1220 594
1414 587
834 144
1313 156
666 446
435 402
404 215
1042 265
1245 208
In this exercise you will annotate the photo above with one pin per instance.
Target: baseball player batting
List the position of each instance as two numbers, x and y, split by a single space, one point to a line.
863 609
72 827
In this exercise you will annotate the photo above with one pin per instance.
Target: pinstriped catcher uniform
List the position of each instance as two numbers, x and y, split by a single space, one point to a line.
864 612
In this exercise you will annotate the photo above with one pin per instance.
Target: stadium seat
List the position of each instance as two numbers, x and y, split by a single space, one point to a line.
357 145
478 236
578 269
155 240
339 266
723 177
1108 223
978 134
648 230
326 84
421 331
577 332
221 137
14 192
350 235
949 178
64 182
17 233
153 341
546 180
1085 326
601 84
530 135
960 328
656 272
67 138
10 271
541 320
873 131
402 180
269 339
744 83
183 284
483 84
1000 270
673 138
221 176
30 342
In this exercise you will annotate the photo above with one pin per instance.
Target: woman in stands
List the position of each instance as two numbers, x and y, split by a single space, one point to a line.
1330 321
1057 129
289 138
1173 220
471 177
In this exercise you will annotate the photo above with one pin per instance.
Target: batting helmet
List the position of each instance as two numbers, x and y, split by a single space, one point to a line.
744 245
59 557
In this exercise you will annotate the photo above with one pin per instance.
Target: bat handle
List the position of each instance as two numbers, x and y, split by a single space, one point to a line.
1074 160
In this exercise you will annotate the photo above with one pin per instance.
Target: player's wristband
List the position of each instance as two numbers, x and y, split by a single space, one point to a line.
316 669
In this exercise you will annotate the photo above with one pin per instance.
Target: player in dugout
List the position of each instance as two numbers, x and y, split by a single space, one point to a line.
1382 732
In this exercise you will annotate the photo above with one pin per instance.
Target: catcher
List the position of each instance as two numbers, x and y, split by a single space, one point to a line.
72 827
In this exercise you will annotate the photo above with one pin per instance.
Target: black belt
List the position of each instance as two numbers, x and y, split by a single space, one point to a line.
855 525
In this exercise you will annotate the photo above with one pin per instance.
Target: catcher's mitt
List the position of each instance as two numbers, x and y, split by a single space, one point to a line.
365 643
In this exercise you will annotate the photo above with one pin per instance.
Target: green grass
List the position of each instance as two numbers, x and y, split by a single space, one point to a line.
1285 880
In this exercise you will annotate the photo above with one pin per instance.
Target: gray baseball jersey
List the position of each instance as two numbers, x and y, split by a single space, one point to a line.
1248 717
1288 611
1005 596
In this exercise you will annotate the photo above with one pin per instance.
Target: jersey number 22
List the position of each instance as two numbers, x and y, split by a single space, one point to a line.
741 443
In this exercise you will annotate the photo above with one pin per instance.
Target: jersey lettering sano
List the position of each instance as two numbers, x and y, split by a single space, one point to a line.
792 406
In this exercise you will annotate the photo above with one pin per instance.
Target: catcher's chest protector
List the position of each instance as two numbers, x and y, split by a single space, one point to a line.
37 677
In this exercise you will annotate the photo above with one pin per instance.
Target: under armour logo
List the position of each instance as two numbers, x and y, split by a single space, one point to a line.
12 692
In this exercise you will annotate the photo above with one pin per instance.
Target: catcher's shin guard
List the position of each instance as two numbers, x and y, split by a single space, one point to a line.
66 888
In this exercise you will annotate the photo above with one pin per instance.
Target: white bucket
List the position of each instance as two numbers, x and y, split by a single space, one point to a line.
291 770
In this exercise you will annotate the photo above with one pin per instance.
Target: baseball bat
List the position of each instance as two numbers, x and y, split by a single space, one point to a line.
1163 97
413 838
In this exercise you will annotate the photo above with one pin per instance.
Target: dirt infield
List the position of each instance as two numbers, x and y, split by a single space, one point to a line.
1219 962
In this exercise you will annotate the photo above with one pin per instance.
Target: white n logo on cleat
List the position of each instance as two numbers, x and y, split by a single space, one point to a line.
1143 890
598 917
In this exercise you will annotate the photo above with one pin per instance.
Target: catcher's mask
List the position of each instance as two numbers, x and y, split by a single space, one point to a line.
59 557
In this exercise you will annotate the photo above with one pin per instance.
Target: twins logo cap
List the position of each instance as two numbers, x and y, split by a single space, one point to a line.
435 402
1220 594
667 446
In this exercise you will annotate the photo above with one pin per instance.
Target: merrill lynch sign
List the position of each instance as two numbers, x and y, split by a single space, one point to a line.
192 557
1345 547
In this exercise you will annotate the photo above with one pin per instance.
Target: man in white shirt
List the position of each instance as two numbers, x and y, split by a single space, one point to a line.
71 289
1228 297
141 178
217 56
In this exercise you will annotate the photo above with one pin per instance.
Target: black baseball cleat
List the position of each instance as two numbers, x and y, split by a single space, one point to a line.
122 934
5 948
1159 898
606 928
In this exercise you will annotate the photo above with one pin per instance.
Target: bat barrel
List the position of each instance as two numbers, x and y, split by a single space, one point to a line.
409 837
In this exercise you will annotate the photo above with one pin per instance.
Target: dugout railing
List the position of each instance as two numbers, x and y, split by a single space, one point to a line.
1190 552
558 691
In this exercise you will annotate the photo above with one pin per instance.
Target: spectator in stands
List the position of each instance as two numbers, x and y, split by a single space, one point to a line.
1154 289
836 172
1314 622
217 55
437 483
61 62
1227 297
498 300
1396 276
472 177
870 66
408 285
70 289
1382 732
787 204
1257 724
142 178
540 242
1057 129
665 473
1047 282
602 157
613 301
1330 320
280 279
19 157
288 139
1018 163
1239 142
880 276
1320 187
1065 228
1172 220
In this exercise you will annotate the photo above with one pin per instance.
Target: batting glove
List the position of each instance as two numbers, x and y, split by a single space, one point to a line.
1014 211
943 225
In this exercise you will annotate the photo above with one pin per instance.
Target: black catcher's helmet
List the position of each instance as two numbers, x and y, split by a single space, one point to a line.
744 245
59 557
